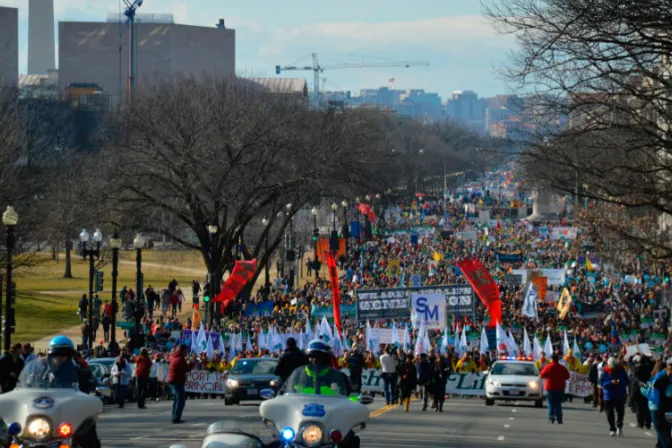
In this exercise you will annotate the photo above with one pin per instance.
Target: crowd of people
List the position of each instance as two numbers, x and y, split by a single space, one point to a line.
611 307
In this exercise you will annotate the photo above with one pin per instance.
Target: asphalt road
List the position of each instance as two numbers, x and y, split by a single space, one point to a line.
465 422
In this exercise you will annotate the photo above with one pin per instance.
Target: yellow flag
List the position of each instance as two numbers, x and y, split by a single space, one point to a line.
589 265
195 319
564 304
438 256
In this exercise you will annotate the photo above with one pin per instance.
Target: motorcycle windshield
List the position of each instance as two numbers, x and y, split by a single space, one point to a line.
49 373
315 380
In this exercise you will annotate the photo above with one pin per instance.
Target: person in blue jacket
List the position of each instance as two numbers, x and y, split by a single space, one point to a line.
659 402
614 383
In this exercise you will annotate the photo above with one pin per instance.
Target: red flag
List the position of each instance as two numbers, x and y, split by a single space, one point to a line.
243 271
480 279
335 291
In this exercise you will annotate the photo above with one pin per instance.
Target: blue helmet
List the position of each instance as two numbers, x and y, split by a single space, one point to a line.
317 347
61 345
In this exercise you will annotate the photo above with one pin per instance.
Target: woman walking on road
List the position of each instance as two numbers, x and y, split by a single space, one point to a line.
409 380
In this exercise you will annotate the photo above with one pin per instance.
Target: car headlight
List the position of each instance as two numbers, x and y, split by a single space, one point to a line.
533 385
312 435
273 383
493 382
39 428
232 383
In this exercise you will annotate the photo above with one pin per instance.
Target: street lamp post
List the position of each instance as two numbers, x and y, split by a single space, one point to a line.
91 251
346 227
334 243
10 219
316 237
115 245
209 310
267 282
138 244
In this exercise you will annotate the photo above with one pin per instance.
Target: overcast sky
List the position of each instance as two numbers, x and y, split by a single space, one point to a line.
451 35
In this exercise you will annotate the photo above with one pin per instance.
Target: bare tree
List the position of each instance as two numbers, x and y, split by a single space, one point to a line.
227 153
606 66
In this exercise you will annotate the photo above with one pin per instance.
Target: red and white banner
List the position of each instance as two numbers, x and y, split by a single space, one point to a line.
204 382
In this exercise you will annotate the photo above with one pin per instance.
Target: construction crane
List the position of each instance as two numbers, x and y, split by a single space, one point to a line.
131 8
317 68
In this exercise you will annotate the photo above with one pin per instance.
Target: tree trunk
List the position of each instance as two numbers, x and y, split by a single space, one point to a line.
68 260
53 252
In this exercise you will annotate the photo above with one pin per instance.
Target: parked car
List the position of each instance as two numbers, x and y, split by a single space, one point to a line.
102 368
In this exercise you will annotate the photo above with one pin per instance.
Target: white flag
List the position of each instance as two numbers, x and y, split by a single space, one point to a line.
419 341
531 303
513 347
548 346
336 345
395 336
575 349
309 331
537 348
444 341
485 346
201 341
407 340
502 340
463 347
325 331
209 348
565 343
221 345
527 347
248 342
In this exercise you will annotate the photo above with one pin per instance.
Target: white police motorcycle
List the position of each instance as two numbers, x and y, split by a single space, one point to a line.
298 419
47 410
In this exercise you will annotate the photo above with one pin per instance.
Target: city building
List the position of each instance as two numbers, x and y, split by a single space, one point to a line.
466 107
39 86
9 47
41 40
97 52
289 86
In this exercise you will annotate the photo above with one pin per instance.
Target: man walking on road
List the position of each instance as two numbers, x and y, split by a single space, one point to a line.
614 385
143 365
556 376
177 377
389 368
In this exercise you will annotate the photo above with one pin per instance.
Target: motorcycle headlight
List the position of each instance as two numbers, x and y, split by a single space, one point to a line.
39 428
232 383
312 435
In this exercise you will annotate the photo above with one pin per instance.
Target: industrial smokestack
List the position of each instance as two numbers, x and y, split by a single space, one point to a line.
41 45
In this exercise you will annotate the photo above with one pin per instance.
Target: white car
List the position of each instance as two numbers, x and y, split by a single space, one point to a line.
512 379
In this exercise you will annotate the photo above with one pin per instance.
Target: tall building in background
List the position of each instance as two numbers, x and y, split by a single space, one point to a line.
41 40
89 53
9 47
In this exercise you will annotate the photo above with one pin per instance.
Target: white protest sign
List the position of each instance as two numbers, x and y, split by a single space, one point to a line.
578 385
430 310
384 335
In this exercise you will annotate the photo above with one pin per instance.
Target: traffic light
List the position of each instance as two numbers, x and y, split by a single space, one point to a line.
99 281
11 293
277 69
316 235
206 298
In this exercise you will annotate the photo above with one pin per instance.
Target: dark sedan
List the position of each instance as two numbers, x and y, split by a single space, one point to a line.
248 377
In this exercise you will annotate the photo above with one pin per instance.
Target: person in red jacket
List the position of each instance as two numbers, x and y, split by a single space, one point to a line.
556 376
143 364
177 377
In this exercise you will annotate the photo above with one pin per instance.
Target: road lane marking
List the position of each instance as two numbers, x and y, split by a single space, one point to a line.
648 434
199 424
507 426
500 438
514 410
139 438
511 418
632 425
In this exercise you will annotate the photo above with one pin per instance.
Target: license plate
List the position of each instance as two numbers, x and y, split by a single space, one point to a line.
252 391
520 392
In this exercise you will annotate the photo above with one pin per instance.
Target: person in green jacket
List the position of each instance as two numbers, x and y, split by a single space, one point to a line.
318 377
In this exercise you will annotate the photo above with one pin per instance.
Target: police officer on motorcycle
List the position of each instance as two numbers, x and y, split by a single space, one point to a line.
317 377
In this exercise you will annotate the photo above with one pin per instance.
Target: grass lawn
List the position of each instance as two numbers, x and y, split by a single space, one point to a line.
47 302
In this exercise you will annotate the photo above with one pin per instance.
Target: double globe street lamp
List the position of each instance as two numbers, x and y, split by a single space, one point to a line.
10 219
91 249
138 244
